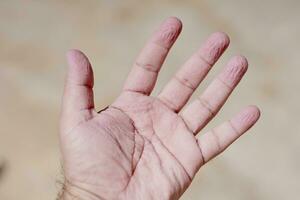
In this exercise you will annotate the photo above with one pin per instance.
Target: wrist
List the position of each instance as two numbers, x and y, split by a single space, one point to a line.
73 192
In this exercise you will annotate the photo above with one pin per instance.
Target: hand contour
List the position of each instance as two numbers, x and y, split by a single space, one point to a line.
145 147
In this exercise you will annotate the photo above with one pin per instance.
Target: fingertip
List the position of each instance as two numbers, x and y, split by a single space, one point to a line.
239 60
79 68
168 32
74 56
250 114
222 36
246 118
77 59
255 111
214 47
71 53
234 70
174 20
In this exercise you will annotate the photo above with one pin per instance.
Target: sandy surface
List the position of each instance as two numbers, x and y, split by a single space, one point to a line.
34 36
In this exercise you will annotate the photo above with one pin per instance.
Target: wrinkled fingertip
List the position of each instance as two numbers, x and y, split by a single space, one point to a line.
255 111
246 118
168 32
214 46
239 60
174 20
220 36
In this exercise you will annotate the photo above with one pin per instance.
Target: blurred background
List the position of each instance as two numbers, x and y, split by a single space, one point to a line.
35 35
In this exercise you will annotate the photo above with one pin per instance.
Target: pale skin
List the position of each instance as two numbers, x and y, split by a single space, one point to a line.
141 146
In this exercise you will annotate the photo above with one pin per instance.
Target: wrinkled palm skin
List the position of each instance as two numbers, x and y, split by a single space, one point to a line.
133 151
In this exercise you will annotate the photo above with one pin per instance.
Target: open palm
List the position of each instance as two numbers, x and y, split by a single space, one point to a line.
144 147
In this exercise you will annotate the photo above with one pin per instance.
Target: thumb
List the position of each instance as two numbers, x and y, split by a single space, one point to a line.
78 98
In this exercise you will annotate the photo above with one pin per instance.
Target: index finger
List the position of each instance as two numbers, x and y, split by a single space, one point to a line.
144 73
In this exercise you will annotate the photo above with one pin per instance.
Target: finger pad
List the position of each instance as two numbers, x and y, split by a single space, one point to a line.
246 119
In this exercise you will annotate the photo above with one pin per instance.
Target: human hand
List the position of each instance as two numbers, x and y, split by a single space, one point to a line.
145 147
